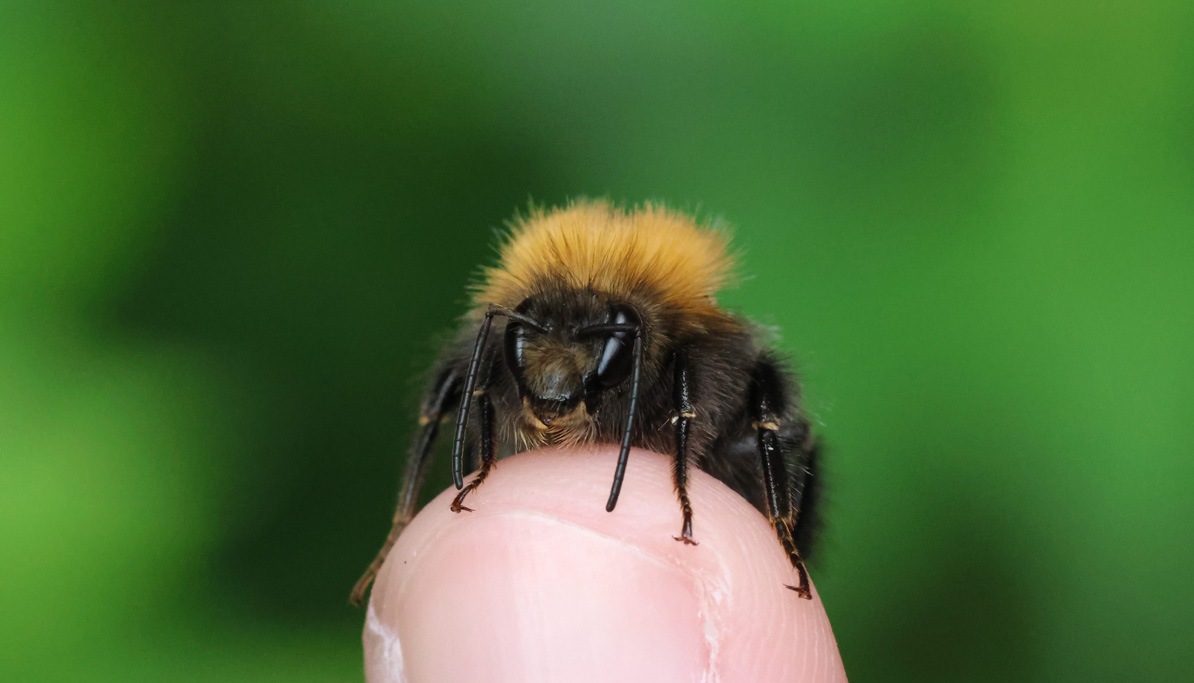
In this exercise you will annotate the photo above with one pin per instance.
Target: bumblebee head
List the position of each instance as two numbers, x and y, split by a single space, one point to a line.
600 289
563 356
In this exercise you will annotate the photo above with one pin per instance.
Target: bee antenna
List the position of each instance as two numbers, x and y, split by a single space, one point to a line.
624 454
466 398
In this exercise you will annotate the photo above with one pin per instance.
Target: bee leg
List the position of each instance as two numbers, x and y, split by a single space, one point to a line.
683 419
804 480
768 403
445 392
488 452
779 503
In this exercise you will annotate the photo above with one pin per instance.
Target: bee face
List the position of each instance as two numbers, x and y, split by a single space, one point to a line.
570 355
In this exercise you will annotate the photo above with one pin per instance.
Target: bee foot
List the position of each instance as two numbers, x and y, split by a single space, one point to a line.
802 592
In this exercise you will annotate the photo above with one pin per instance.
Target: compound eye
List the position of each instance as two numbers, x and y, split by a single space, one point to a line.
515 342
513 346
617 350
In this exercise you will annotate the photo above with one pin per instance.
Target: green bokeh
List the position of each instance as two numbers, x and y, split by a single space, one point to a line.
230 233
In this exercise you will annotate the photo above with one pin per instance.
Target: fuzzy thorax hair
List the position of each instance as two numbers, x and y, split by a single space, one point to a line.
648 251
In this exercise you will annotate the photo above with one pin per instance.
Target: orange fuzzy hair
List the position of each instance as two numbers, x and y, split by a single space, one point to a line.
596 245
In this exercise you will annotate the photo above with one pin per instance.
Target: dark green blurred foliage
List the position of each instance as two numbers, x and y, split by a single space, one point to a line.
230 233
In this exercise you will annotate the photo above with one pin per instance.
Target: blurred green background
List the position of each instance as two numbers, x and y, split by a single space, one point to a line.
231 232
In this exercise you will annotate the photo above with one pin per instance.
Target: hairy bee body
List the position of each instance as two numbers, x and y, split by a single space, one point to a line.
613 335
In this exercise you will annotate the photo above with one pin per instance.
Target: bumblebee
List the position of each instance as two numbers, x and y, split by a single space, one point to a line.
612 335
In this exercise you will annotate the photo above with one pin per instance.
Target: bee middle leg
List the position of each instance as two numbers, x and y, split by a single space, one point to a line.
683 420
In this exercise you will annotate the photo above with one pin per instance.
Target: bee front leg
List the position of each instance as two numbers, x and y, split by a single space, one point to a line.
683 421
488 448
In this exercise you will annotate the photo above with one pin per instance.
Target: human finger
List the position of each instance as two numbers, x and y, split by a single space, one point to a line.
540 583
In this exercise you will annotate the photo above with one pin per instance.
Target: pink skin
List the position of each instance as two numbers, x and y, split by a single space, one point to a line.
541 584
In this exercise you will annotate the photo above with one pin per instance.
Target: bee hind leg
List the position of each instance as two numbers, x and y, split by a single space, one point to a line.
683 421
444 393
769 405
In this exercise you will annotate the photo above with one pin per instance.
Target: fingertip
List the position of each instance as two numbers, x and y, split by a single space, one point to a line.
540 584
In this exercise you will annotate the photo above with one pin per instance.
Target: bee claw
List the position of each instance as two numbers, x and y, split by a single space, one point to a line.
802 592
456 504
686 540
